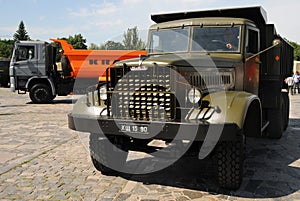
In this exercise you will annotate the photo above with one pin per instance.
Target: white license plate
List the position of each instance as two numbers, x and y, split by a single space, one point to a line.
134 128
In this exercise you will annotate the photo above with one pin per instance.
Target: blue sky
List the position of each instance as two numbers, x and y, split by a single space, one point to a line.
102 20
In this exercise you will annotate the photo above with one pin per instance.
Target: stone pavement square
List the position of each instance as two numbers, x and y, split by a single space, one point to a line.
42 159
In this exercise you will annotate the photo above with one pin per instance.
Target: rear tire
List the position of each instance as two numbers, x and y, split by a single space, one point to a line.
230 158
278 120
106 156
41 93
286 101
65 64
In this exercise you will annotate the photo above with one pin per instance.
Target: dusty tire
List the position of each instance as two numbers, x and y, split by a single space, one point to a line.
277 119
105 157
41 93
286 115
230 158
65 64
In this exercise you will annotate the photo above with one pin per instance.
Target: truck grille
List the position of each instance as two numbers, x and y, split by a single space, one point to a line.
144 95
215 79
159 93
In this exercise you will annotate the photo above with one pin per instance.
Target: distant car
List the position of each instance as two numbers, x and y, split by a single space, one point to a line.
4 72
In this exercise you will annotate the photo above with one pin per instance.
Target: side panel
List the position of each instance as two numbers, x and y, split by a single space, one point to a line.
277 65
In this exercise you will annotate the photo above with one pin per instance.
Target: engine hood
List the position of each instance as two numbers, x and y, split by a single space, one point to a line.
186 60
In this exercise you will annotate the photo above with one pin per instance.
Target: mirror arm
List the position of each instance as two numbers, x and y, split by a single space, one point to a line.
254 55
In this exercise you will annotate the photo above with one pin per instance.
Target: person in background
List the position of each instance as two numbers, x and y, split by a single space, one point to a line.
290 82
296 78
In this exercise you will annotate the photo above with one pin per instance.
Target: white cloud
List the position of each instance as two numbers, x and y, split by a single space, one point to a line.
95 10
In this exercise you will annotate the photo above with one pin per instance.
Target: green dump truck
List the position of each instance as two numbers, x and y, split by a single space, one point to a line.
210 80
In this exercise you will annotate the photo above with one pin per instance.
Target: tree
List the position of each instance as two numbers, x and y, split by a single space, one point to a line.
132 41
112 45
93 46
21 33
296 50
6 48
78 42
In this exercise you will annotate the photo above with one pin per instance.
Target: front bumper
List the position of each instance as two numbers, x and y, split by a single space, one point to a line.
191 130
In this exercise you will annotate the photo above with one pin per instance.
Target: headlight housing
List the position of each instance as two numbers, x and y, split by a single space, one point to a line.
103 93
194 95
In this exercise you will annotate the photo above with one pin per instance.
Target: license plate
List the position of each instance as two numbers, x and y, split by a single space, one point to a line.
134 128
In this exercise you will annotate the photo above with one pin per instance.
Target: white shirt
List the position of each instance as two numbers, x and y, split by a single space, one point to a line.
290 81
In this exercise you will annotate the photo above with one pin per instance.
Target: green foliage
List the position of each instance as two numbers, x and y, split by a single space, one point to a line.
296 50
132 41
78 42
21 33
93 46
112 45
6 48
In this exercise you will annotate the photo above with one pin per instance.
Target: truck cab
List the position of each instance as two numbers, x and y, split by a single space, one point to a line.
34 68
30 68
210 80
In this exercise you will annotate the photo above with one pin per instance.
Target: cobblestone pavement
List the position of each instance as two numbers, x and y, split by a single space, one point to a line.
41 159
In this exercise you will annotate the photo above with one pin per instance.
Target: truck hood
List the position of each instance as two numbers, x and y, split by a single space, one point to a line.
186 60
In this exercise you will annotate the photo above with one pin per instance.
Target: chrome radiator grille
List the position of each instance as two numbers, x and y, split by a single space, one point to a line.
144 95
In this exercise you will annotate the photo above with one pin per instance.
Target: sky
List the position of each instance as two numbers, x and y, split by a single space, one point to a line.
101 20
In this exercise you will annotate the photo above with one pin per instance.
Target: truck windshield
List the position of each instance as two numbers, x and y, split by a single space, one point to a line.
216 39
169 40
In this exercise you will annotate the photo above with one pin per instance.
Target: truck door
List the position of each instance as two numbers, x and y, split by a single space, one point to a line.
24 63
252 66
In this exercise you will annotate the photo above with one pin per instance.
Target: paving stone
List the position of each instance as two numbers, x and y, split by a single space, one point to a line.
42 159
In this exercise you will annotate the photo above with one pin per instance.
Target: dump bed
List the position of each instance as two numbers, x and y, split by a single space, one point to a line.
256 14
93 63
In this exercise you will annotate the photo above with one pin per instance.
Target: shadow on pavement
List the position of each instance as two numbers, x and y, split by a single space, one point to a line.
62 101
272 169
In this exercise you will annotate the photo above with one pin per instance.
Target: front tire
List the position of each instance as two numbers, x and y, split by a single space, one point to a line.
41 93
106 155
230 158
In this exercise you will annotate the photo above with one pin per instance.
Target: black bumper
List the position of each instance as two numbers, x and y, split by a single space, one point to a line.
193 130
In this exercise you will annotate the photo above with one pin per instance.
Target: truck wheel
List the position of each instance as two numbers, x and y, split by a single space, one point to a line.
65 64
277 118
286 102
105 157
229 162
41 93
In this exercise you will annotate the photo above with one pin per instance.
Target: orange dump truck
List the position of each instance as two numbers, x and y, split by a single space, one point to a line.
91 63
34 69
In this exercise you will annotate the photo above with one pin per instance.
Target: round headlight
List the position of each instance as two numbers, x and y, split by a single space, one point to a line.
103 93
194 95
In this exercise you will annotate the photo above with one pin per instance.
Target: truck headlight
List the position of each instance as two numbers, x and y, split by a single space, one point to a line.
194 95
103 93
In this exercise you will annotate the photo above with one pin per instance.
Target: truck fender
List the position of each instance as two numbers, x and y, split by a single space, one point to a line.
237 107
234 106
39 80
